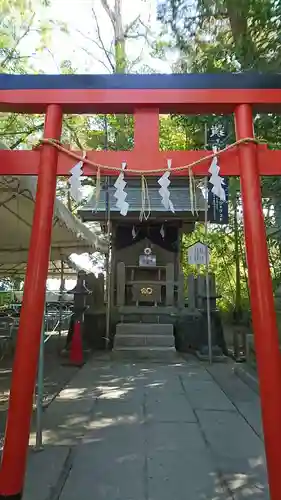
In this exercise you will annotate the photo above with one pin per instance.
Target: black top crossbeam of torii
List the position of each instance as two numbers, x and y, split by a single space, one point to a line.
203 81
110 94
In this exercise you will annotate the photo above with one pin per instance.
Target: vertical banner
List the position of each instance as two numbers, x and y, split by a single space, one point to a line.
217 136
218 209
217 133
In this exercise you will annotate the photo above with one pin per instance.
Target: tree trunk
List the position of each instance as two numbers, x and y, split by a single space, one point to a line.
119 39
244 47
115 16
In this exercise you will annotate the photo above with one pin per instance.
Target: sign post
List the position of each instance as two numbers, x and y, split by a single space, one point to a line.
198 254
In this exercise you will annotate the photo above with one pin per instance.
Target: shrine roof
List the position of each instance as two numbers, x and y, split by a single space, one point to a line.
248 80
178 195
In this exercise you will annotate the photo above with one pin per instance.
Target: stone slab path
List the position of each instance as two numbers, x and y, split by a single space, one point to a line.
151 431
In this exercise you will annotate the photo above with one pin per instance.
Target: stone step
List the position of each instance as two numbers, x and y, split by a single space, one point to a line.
144 329
158 354
140 340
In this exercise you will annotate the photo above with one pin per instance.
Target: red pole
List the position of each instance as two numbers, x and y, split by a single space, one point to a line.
262 304
28 339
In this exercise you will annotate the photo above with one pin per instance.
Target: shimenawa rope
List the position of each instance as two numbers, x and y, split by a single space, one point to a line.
157 171
145 200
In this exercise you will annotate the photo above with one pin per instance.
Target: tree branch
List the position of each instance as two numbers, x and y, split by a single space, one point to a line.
54 59
108 10
26 135
100 47
74 134
19 132
108 69
131 25
12 51
137 59
136 36
101 40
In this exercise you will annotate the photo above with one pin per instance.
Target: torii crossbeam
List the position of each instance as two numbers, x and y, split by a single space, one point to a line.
145 96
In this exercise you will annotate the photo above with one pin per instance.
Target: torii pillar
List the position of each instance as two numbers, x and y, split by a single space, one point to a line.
262 302
191 95
15 449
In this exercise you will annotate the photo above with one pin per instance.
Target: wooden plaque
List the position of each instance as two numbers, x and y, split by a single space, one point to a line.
146 292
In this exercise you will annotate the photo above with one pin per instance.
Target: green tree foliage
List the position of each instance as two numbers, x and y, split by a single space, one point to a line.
230 35
208 36
18 20
225 34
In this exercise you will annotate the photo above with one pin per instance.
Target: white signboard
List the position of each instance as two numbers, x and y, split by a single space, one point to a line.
147 260
198 254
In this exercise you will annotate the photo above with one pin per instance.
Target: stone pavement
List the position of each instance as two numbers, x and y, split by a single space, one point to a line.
151 431
56 377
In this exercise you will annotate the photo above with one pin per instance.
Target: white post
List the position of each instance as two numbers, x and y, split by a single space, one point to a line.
209 323
40 392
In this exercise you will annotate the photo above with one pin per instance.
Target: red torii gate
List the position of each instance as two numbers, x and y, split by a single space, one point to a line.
145 96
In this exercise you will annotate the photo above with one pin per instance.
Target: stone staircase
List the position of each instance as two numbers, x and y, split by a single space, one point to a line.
144 339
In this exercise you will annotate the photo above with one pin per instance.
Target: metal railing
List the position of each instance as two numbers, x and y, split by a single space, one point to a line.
8 330
56 319
53 318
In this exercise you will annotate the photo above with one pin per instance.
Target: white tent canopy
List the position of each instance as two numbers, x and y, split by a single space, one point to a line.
69 235
18 270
